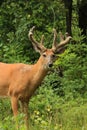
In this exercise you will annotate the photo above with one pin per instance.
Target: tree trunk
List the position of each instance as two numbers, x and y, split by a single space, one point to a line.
83 16
68 7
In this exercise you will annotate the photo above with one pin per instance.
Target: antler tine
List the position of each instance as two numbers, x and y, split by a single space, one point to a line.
66 34
30 35
54 39
41 44
42 39
61 36
64 42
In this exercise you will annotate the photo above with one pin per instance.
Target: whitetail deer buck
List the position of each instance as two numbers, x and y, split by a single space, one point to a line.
19 81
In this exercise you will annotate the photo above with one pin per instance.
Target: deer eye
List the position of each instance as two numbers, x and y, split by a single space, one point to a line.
44 55
53 56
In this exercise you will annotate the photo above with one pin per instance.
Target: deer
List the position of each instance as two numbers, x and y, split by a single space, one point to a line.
18 81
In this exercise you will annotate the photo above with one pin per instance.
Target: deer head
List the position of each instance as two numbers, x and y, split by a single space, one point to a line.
48 55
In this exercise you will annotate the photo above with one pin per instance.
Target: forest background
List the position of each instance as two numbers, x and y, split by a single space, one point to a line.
61 101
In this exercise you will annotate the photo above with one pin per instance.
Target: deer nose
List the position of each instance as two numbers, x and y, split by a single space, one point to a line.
50 65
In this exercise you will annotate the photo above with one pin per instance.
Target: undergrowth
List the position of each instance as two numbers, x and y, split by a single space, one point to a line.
57 115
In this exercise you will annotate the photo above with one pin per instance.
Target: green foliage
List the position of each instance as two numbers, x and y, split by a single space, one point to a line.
56 114
16 19
73 62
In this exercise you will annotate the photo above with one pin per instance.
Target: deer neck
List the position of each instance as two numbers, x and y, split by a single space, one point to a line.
39 71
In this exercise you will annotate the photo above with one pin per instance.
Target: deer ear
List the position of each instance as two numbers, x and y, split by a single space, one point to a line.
60 50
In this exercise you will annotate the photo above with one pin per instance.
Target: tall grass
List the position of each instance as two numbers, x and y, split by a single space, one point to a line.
68 115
